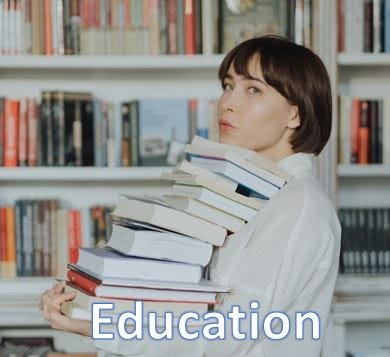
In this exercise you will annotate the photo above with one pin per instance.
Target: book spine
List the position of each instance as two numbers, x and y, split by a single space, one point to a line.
32 141
82 282
364 133
373 124
355 122
11 114
2 133
45 208
67 27
37 224
172 27
72 238
19 237
11 242
75 23
27 229
27 28
379 146
3 241
368 26
189 27
134 129
22 133
387 25
48 27
180 26
87 132
77 134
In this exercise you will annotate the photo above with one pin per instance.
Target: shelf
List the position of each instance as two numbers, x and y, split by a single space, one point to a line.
363 285
82 174
371 170
23 289
111 62
364 59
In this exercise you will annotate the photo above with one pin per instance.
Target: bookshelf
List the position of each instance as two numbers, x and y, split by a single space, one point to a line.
360 313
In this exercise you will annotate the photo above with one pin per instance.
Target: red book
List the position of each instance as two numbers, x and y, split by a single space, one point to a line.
189 27
72 238
11 114
364 133
47 27
3 236
82 281
355 123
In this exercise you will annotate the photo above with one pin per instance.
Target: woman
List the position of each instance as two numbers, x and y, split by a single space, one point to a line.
276 100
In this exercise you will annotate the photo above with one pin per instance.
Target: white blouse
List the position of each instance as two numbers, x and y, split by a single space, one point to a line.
286 258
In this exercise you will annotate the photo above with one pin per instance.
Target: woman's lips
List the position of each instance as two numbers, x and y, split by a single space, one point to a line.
224 125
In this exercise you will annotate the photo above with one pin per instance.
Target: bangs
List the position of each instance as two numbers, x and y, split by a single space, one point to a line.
240 58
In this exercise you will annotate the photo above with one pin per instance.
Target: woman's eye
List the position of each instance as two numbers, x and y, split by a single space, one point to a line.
227 86
254 90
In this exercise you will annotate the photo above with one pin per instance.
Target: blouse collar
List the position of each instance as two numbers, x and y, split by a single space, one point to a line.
296 163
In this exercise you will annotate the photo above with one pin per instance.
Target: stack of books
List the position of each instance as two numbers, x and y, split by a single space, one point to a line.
159 246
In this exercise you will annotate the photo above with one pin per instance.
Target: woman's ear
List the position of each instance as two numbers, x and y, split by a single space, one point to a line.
294 121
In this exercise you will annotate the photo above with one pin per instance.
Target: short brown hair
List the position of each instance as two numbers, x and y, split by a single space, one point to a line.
299 75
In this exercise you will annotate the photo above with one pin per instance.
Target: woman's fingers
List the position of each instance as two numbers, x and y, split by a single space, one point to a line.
53 303
55 290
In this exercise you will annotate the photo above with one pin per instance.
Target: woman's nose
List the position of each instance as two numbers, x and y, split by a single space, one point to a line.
229 102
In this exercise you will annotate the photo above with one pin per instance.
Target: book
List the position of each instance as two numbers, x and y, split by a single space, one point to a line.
216 200
153 298
163 130
231 157
110 263
249 155
236 173
203 285
186 167
207 212
139 293
137 242
158 214
210 184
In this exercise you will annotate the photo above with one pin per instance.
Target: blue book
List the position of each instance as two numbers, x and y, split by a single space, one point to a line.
164 130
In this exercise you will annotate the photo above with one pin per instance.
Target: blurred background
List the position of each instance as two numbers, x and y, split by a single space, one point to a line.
100 96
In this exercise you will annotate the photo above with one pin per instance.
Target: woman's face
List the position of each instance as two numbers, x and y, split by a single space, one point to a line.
255 116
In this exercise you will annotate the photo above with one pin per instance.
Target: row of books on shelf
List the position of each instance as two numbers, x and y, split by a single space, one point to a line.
76 129
365 240
364 130
38 237
363 26
160 246
47 27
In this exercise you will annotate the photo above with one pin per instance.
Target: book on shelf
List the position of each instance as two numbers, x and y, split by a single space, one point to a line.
244 20
67 128
362 26
108 262
364 245
363 131
138 241
142 27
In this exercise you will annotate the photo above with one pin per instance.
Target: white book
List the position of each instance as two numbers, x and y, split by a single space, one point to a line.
211 184
155 213
376 7
187 167
249 155
214 199
109 263
126 293
208 34
159 245
238 174
207 212
202 285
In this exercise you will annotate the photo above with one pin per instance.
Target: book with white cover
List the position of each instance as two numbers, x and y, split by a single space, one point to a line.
186 167
242 176
249 155
85 301
163 216
159 245
109 263
207 212
209 184
214 199
237 160
202 285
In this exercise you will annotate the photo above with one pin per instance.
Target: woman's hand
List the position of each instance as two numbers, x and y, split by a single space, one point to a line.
50 305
